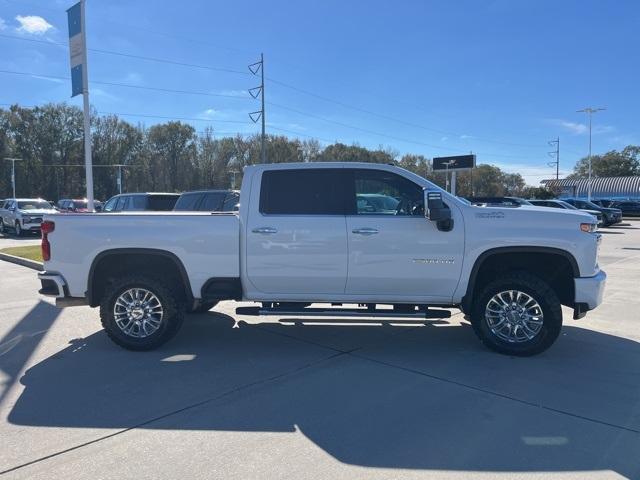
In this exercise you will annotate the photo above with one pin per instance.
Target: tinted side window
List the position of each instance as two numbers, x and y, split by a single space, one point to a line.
212 202
378 192
163 203
187 202
119 204
317 191
137 202
110 205
231 202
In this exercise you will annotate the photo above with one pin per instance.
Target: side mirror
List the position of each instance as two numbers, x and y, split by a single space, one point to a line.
436 210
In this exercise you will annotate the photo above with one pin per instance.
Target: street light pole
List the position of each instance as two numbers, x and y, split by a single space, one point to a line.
590 111
13 172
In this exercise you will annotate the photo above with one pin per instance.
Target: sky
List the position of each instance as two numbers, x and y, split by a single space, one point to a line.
497 78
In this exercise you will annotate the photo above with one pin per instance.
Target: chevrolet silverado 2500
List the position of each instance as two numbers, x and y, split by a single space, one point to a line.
371 235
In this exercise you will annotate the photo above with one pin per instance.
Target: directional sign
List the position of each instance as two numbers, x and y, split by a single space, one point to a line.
77 48
458 162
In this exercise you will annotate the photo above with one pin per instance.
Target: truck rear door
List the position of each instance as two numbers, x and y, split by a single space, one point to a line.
296 239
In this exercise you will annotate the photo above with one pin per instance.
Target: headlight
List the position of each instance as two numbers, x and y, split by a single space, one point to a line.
588 227
26 219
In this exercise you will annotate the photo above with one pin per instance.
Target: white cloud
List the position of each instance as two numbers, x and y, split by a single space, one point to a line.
444 139
133 77
3 24
33 24
577 128
209 113
465 137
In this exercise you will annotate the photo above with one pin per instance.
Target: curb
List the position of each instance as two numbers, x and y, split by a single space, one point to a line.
21 261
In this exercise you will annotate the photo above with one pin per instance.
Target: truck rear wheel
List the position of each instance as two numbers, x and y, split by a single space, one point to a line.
140 313
518 314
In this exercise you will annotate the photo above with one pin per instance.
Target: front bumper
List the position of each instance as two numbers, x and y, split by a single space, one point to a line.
32 227
588 293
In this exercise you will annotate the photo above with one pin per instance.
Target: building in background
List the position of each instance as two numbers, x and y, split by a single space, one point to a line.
602 187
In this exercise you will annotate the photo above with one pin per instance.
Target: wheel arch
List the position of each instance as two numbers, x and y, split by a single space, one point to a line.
525 257
170 263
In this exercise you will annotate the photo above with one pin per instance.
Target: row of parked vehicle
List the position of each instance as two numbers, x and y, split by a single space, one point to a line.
607 212
23 215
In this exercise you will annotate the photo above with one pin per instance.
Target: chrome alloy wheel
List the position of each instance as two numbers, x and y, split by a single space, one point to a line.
514 316
138 312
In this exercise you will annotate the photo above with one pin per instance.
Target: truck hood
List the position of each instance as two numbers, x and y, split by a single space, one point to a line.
527 213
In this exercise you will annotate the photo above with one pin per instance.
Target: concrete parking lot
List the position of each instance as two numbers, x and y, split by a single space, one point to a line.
232 398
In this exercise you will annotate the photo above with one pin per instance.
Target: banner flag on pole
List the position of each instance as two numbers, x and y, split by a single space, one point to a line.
77 48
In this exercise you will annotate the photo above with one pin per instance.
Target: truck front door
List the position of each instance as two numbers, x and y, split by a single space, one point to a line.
394 252
296 240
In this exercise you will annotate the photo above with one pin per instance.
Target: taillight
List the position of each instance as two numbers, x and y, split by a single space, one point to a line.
46 227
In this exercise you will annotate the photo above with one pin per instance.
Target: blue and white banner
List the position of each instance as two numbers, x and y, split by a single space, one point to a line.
77 47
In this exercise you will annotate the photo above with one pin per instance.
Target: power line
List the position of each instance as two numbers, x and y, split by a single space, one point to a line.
283 84
393 119
129 55
125 85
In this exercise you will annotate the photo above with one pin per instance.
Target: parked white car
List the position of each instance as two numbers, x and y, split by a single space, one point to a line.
23 214
303 236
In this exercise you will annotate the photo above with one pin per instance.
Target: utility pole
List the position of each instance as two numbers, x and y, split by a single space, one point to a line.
254 68
13 172
555 154
590 111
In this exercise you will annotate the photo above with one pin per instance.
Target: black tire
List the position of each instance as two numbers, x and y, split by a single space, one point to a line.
1 227
172 318
538 290
203 307
18 229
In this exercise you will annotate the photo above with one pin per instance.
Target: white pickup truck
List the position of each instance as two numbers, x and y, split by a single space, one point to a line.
376 237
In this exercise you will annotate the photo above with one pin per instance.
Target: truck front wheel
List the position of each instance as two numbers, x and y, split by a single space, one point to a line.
517 314
140 313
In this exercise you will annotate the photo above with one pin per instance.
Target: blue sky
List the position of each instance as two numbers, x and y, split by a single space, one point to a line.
498 78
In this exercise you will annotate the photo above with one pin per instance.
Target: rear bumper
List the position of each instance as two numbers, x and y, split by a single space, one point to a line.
588 292
54 285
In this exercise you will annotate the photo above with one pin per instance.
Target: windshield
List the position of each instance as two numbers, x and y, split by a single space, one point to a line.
34 205
591 205
79 204
567 205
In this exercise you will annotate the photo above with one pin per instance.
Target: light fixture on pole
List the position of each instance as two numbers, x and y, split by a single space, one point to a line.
590 111
13 172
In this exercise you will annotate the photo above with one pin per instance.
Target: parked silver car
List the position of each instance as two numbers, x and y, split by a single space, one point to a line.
23 214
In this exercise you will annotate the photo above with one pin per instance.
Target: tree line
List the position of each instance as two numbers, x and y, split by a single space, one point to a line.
174 157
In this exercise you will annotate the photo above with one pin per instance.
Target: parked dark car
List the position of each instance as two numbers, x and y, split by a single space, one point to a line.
131 202
610 216
629 208
208 201
603 202
78 205
567 206
498 201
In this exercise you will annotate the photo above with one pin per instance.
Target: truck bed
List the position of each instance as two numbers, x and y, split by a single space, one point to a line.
206 243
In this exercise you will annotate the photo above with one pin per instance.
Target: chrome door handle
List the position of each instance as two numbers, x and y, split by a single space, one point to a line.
365 231
265 230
